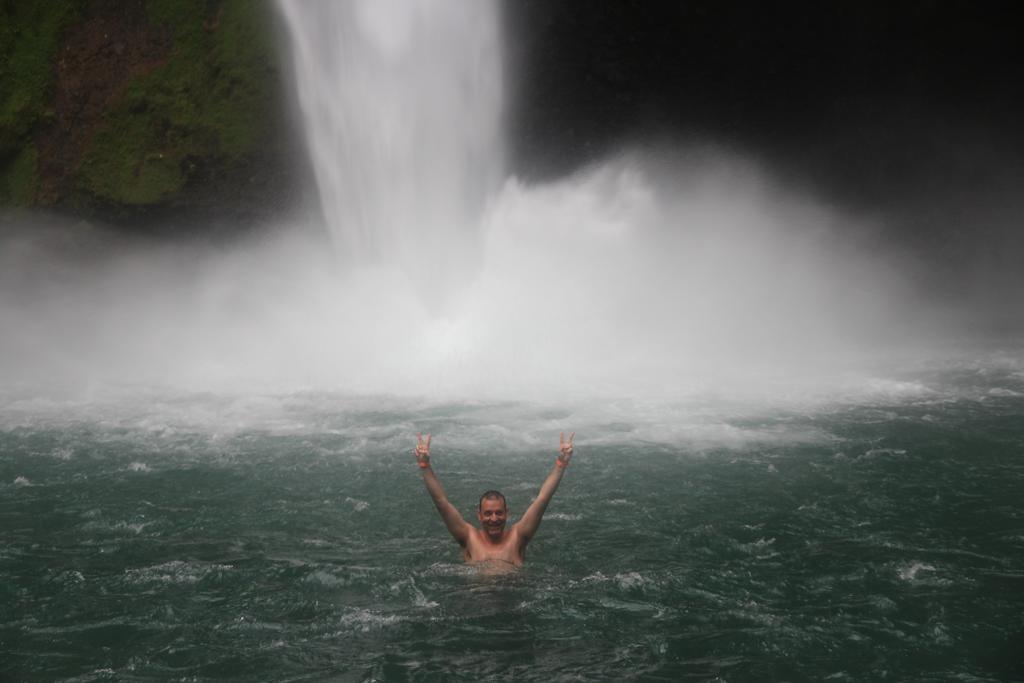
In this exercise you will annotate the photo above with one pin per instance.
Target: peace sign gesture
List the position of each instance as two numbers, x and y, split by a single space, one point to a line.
565 448
422 450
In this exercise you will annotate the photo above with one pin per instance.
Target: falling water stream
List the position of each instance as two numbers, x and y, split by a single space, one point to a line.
402 106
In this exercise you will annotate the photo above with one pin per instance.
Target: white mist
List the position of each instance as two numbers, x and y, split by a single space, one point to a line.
659 273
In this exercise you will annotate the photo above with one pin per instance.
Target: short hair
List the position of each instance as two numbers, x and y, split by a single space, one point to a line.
492 495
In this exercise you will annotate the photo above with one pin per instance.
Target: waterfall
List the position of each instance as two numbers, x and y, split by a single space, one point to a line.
401 103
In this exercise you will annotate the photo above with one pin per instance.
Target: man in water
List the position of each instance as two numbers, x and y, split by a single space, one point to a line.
492 542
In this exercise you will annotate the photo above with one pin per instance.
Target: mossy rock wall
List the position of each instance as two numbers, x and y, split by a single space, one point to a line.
142 109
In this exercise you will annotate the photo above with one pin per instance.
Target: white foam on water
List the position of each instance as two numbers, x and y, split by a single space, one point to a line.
910 571
563 517
328 579
882 453
629 580
366 620
175 572
118 527
357 505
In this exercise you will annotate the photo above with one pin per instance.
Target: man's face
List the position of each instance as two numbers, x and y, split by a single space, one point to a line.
492 515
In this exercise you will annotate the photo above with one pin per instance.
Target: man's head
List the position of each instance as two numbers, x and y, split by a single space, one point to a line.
492 513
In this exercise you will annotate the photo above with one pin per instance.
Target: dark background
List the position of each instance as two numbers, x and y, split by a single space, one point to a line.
910 111
851 81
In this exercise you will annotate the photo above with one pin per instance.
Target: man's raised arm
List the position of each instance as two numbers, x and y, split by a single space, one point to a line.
457 526
530 522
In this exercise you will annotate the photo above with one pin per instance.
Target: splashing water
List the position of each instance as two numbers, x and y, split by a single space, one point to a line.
638 274
662 271
621 281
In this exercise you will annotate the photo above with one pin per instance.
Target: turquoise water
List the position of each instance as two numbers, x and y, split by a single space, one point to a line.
160 536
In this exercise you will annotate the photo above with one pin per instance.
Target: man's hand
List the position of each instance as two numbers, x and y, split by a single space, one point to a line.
422 450
564 449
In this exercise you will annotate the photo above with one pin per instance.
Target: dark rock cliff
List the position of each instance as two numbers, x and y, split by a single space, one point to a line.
145 112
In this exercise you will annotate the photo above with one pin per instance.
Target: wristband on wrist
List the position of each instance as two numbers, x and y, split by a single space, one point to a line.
424 464
561 463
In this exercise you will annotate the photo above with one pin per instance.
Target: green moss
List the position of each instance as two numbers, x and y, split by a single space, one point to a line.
182 130
29 35
246 55
19 178
125 165
210 100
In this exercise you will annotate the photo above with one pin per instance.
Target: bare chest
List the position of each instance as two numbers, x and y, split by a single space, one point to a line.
508 550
